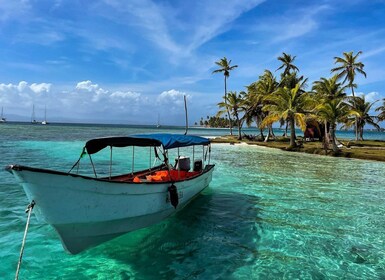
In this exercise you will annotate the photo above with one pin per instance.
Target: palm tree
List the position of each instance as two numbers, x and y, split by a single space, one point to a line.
348 68
290 81
253 104
381 109
290 105
255 100
326 90
234 104
287 63
329 88
225 67
333 111
362 108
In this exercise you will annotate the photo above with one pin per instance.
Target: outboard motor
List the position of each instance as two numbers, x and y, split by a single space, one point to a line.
173 195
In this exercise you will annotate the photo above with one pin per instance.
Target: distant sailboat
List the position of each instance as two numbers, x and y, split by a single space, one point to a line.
158 124
45 116
33 118
2 119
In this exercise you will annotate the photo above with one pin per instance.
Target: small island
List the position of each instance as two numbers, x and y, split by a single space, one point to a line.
330 104
367 149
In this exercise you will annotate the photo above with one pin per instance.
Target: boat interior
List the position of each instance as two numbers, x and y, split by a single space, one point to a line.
161 173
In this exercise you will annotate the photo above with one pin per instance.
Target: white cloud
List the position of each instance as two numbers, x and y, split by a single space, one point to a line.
118 95
87 101
172 97
23 87
40 88
87 86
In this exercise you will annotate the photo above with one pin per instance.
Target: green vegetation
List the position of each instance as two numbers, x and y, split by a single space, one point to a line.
214 122
287 101
368 149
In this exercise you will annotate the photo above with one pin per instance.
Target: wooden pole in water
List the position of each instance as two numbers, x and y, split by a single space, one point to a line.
185 110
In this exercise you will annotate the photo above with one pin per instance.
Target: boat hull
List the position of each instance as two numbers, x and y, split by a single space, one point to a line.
87 211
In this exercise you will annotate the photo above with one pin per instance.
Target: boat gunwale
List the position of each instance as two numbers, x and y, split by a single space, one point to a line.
18 167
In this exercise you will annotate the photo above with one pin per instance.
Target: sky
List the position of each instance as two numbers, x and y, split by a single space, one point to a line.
132 61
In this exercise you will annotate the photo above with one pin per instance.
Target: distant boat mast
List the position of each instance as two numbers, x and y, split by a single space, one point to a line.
2 119
33 118
158 124
45 116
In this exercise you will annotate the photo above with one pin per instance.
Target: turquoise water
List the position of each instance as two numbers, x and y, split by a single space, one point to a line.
267 214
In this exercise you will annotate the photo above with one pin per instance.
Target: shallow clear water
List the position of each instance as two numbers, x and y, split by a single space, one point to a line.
267 214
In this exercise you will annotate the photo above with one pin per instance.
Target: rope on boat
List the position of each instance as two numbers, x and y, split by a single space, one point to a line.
29 211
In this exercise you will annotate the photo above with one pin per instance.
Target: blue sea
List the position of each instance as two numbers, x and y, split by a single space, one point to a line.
268 214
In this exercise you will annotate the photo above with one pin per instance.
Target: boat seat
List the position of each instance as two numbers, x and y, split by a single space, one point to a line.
164 176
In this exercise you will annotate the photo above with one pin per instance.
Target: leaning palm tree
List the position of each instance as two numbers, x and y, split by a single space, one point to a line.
234 104
225 67
363 117
347 69
290 105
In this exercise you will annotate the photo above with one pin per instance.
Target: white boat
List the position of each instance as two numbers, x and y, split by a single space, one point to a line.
89 210
45 116
2 119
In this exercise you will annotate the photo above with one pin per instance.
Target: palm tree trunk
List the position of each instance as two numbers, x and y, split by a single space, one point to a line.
261 131
239 131
361 133
354 104
292 133
326 138
271 131
227 109
267 137
239 122
333 136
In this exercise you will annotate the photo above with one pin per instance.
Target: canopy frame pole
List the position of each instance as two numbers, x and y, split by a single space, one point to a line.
203 154
178 164
150 158
77 163
133 159
166 162
93 166
209 147
193 154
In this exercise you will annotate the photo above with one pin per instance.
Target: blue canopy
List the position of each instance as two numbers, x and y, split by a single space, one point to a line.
167 140
170 141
